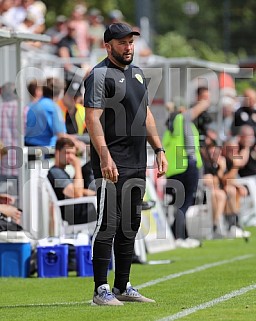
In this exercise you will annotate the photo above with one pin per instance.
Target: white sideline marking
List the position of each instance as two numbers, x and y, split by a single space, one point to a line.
197 269
35 305
209 304
144 285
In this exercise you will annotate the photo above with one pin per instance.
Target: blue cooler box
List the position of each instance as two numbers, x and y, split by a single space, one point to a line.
52 261
15 259
84 260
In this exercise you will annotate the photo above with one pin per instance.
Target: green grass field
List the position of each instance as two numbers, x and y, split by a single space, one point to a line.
214 282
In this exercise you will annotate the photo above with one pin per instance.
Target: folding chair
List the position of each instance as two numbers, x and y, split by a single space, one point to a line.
61 227
199 216
248 205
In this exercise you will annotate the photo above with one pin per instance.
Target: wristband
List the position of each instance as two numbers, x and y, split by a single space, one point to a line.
160 149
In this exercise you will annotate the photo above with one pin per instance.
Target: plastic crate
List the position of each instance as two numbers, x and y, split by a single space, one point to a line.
84 260
52 261
84 265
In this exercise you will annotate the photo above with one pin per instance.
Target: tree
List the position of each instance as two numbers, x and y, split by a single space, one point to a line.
216 23
174 45
226 25
56 7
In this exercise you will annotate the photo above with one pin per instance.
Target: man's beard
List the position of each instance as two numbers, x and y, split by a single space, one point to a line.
120 58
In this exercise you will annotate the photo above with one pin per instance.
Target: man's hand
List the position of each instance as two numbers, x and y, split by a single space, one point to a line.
199 108
11 211
108 168
162 164
80 146
89 192
73 160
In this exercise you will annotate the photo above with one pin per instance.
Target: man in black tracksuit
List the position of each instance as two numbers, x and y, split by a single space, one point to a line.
119 123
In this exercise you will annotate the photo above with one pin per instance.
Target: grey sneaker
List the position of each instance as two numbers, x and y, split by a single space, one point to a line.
105 296
187 243
131 295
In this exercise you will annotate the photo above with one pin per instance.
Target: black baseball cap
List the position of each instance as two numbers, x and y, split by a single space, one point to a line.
118 30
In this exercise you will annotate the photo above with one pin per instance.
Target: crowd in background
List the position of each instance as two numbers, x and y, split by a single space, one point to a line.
71 36
218 153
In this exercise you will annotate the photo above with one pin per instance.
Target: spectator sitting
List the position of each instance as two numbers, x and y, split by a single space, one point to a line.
96 29
246 114
11 221
14 13
228 111
235 159
35 91
56 32
5 9
37 9
44 120
28 25
81 26
65 187
10 216
73 112
74 116
246 139
67 48
214 166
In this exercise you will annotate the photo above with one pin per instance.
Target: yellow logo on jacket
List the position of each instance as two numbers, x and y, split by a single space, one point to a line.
139 78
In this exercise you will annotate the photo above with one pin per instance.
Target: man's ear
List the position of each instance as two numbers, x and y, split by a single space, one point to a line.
107 46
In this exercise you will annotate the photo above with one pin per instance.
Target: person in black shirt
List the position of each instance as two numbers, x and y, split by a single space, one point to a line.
67 48
246 139
246 114
67 187
214 167
236 158
73 112
119 123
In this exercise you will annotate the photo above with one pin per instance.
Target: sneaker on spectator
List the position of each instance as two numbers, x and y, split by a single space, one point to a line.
131 295
237 232
104 296
187 243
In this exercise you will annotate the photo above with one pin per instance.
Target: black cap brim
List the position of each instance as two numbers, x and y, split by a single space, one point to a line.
125 34
117 33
